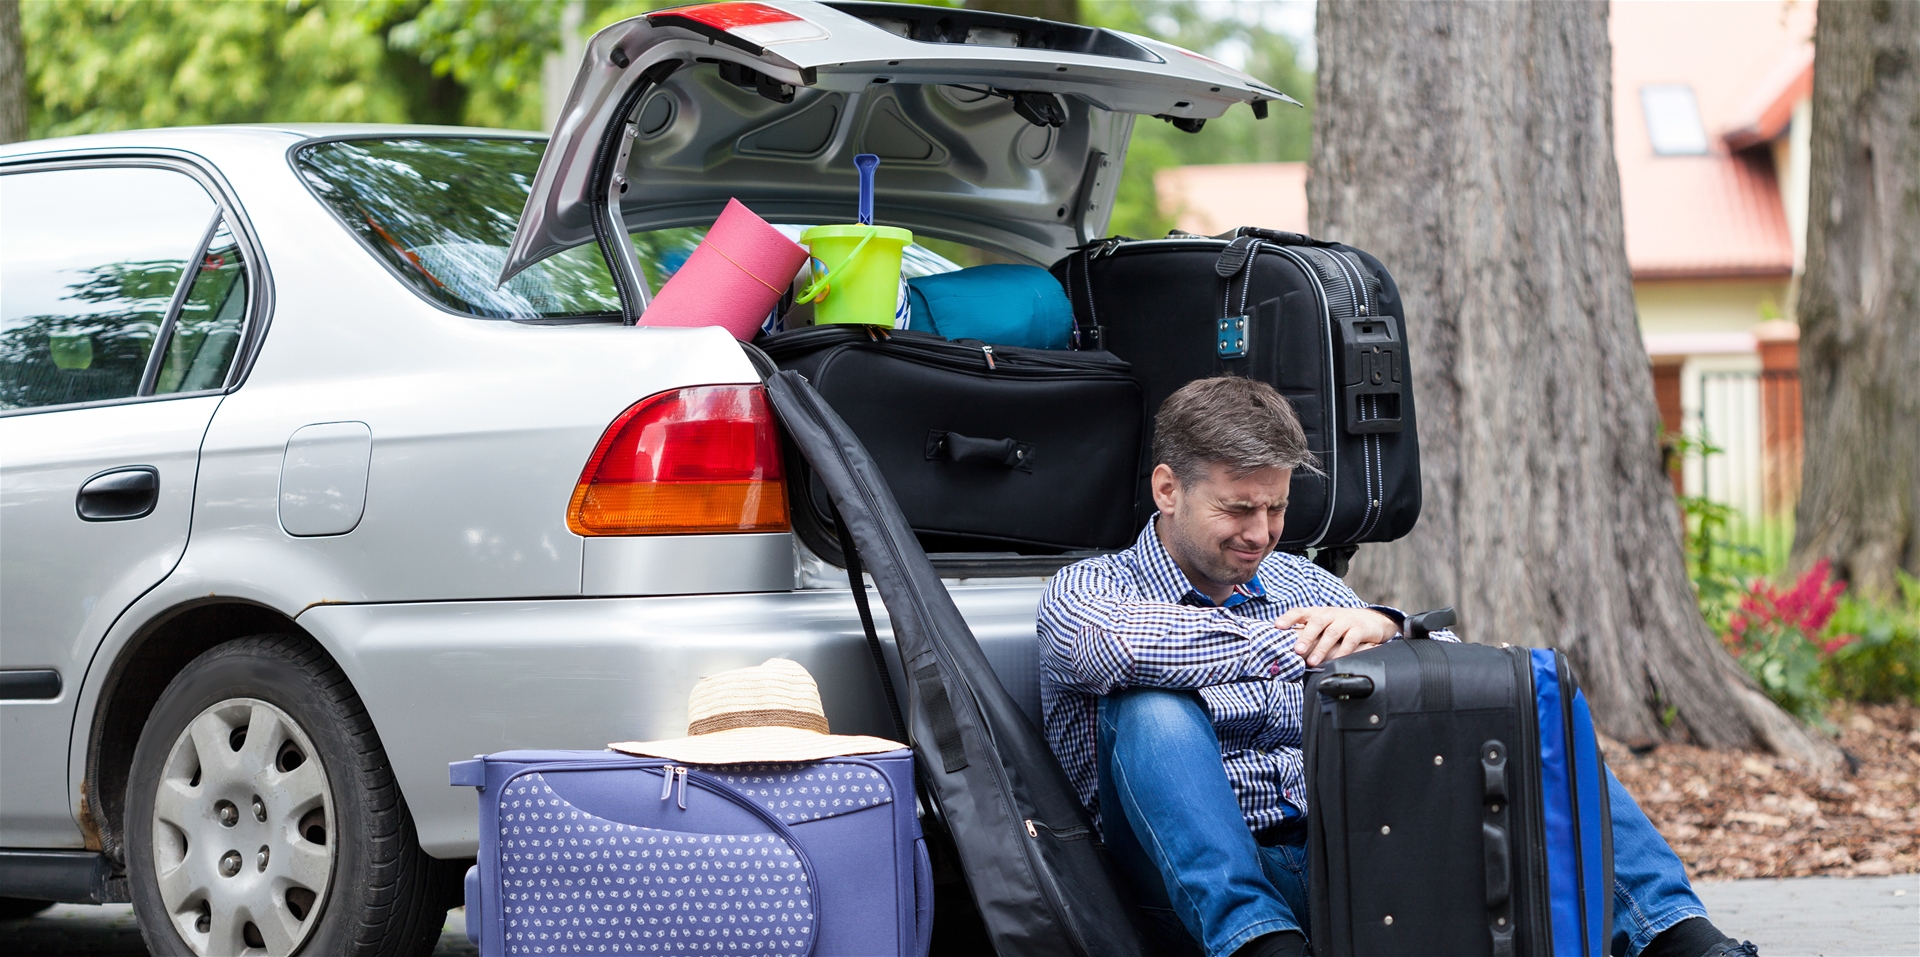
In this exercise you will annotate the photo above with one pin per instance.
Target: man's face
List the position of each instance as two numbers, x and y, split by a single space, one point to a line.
1222 526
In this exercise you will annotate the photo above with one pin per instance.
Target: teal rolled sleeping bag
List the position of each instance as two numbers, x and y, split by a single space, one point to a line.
1000 304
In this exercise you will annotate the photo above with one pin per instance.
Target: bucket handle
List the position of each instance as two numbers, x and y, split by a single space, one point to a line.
818 287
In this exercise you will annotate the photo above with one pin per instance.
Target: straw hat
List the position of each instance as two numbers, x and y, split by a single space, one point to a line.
769 712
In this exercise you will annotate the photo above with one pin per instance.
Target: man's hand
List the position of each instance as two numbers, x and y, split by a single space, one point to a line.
1323 634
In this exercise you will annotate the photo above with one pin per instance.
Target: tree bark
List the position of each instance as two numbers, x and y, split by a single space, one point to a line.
1059 11
1860 299
13 75
1470 147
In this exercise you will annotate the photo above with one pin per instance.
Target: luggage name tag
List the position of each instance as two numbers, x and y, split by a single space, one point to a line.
1231 337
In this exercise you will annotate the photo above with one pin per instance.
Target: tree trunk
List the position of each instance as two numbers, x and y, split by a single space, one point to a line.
1470 147
13 75
1059 11
1860 298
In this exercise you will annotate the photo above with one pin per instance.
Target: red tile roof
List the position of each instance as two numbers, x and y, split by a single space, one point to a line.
1765 114
1719 214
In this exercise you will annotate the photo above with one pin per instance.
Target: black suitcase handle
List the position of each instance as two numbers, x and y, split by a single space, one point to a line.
1421 625
954 447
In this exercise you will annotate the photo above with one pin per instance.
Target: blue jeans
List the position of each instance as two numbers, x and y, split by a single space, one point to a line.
1174 827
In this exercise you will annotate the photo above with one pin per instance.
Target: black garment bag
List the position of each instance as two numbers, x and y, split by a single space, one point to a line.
1043 884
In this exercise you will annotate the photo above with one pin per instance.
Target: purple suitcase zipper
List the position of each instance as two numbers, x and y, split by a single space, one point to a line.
603 852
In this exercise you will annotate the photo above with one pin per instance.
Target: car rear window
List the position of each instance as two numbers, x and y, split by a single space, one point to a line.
441 211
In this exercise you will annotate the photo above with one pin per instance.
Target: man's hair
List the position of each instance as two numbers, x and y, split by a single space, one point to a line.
1242 424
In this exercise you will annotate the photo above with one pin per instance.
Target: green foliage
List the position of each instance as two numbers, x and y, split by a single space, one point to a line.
1809 643
1788 668
97 65
1723 556
1781 636
1882 662
1285 135
492 48
1806 644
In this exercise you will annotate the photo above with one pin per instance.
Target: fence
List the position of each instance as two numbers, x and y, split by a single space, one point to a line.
1753 419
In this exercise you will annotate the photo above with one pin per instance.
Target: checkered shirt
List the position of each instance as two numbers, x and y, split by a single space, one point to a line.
1132 619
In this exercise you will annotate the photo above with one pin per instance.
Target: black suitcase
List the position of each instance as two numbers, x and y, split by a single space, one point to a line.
987 448
1321 322
1037 872
1458 805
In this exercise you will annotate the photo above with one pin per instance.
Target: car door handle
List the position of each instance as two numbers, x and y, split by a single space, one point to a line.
119 494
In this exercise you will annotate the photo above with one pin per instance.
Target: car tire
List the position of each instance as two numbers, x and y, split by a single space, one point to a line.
300 843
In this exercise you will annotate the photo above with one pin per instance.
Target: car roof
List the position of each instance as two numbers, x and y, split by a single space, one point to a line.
189 137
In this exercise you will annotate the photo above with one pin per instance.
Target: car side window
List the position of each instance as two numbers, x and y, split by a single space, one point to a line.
205 335
92 261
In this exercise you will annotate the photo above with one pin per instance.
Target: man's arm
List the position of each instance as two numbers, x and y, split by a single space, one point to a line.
1098 636
1330 621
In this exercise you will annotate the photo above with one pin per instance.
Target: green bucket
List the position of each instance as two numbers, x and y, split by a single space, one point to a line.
861 284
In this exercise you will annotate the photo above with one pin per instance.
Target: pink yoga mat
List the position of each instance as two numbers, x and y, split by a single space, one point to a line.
732 279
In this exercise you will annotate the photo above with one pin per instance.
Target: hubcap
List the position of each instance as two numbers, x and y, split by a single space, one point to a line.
243 753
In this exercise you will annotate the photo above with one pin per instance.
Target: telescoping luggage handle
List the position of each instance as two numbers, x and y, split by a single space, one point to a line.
1417 628
1427 622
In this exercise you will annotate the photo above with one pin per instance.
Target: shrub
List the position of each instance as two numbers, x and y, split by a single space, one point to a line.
1882 662
1780 637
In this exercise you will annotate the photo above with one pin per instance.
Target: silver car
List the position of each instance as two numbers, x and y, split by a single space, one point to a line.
301 434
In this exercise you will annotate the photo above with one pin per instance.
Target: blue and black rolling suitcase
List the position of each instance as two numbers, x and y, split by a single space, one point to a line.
1458 805
605 853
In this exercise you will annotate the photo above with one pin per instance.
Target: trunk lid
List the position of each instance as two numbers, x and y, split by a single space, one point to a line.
999 131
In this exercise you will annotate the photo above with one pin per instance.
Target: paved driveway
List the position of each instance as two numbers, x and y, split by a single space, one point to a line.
1829 916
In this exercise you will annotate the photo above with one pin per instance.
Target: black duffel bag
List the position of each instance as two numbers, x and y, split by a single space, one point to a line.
1038 874
1321 322
987 448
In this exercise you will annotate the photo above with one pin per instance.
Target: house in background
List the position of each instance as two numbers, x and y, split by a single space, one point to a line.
1711 122
1711 115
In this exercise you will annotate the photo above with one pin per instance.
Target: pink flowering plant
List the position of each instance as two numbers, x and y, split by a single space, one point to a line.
1781 637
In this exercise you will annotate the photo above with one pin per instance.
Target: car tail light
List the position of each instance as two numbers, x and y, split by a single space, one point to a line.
752 26
700 460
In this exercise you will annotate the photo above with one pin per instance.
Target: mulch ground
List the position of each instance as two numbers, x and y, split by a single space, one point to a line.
1733 814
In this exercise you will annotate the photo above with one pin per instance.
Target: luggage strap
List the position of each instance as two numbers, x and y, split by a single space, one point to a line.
927 677
858 581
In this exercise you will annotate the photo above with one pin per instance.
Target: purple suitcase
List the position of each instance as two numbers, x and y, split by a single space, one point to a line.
606 853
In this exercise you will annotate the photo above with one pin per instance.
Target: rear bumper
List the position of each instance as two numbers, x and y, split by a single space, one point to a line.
444 681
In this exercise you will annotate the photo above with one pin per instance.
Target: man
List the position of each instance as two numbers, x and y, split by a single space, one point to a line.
1171 692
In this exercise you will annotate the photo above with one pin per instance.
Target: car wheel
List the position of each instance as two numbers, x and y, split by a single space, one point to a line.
16 908
263 817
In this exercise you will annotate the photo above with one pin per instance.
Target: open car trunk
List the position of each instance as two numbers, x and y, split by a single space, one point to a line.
1000 132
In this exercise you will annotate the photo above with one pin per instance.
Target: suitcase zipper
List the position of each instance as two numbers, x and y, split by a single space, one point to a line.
672 773
965 355
1560 672
1527 795
1330 420
1373 464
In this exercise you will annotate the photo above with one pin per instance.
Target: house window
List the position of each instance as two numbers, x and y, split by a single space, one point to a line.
1673 120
